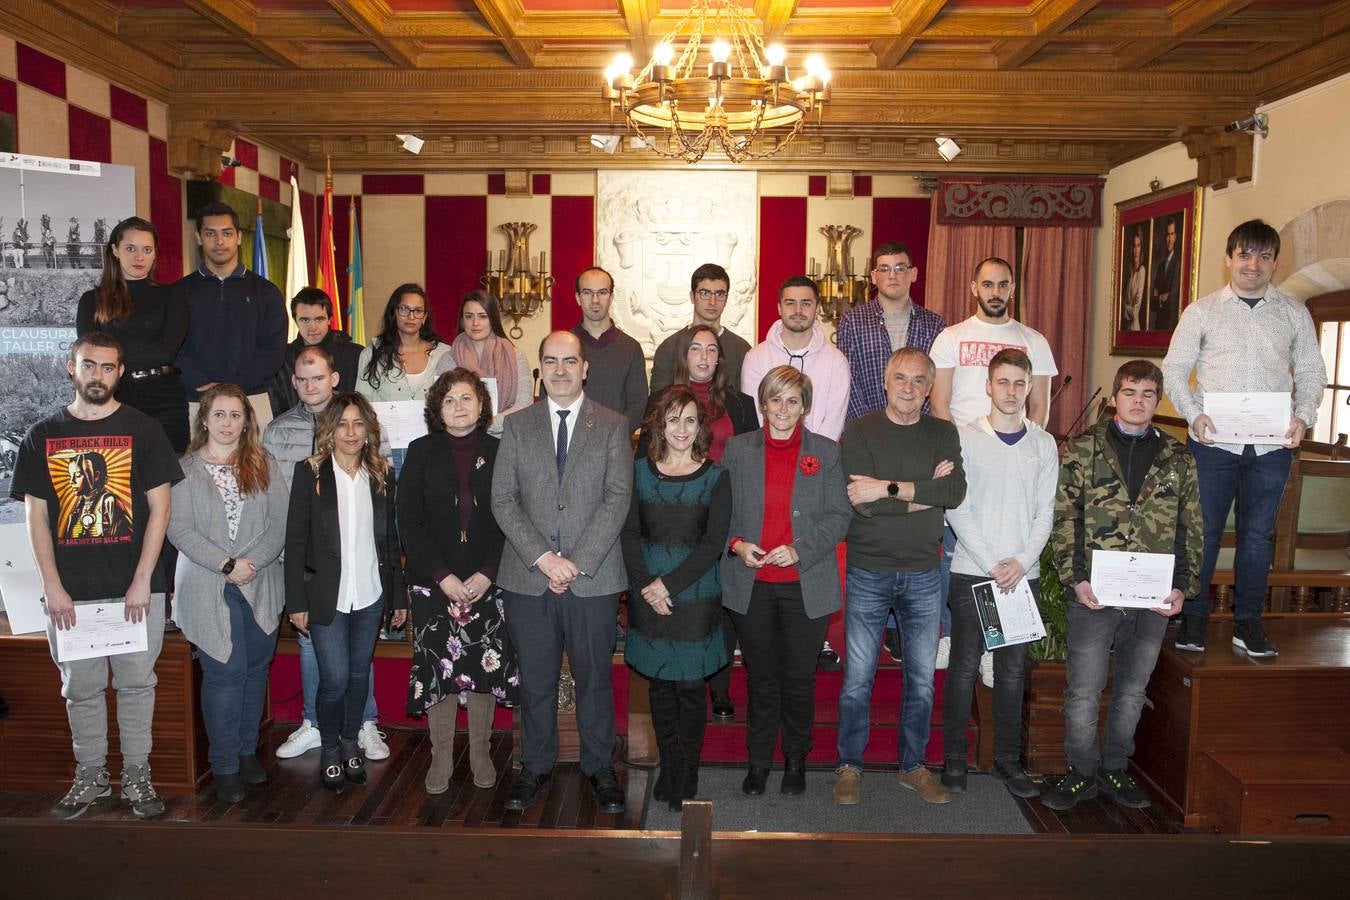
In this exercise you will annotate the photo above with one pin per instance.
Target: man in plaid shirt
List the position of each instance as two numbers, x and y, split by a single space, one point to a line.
870 333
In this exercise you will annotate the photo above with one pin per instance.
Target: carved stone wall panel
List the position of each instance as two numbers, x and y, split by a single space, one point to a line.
654 228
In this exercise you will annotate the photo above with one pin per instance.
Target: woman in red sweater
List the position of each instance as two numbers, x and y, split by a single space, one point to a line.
780 578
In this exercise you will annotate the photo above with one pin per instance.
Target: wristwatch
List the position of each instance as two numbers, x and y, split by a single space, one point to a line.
228 567
893 490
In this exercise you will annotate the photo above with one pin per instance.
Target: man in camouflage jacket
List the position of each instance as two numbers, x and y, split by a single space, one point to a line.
1123 485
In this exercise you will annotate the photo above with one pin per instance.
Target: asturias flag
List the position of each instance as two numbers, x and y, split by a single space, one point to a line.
356 312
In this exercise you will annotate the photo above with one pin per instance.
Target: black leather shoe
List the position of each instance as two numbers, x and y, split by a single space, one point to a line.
333 779
608 794
251 771
794 777
1015 780
755 781
229 789
722 709
526 789
827 660
954 775
354 769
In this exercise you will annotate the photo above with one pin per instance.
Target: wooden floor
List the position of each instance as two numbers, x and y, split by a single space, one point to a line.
395 797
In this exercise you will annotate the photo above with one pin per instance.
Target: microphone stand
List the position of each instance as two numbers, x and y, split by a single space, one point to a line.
1068 432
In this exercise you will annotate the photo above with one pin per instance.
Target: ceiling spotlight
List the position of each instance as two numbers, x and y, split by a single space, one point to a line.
607 142
948 149
411 142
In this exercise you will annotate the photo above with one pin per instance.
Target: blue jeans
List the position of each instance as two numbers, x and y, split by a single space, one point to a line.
309 683
945 564
1257 482
344 648
1126 640
235 691
916 598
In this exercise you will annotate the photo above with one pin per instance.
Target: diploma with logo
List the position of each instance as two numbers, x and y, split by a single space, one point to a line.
1255 417
1008 618
101 629
403 421
1139 580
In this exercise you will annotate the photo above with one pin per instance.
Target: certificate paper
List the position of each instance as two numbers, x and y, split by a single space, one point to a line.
101 629
1251 418
402 421
1138 580
491 385
1007 619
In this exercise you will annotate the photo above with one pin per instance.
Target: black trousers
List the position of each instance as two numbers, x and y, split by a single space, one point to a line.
779 646
541 627
719 682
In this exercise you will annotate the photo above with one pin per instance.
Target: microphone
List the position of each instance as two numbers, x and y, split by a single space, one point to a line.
1068 379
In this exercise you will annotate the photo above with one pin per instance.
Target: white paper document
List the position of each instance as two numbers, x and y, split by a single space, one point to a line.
1007 619
22 593
402 421
1260 417
491 385
1138 580
101 629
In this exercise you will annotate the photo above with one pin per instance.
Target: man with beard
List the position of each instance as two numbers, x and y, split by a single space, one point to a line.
618 371
107 553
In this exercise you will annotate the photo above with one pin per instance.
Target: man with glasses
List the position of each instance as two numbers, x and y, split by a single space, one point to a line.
709 287
237 318
618 371
312 311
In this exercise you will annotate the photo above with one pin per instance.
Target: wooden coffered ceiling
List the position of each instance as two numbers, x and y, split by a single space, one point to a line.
1067 86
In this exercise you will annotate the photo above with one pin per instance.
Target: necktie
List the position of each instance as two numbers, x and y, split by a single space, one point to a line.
562 440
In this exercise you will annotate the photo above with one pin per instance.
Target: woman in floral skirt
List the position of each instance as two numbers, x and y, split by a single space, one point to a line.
452 546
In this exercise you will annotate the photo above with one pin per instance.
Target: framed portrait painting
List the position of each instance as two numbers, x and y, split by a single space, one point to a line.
1154 275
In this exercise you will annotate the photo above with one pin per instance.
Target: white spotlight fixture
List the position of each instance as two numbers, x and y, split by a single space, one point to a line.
948 149
609 143
411 142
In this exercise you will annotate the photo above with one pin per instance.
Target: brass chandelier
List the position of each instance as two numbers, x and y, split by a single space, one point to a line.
742 100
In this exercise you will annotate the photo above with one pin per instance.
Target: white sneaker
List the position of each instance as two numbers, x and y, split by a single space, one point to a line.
944 654
302 740
987 669
371 741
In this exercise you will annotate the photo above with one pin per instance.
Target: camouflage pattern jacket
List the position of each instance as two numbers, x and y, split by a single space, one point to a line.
1093 509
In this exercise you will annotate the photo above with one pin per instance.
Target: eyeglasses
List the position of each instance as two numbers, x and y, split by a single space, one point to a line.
705 294
412 312
587 293
898 268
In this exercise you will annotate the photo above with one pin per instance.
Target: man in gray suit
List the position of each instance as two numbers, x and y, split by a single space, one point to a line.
562 570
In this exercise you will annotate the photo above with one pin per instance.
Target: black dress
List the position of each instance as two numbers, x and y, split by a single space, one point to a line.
445 520
150 337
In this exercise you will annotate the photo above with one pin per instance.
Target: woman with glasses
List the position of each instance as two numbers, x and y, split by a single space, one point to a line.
400 363
141 313
483 348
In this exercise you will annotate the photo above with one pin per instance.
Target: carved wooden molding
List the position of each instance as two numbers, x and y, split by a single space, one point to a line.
1220 157
1074 202
195 148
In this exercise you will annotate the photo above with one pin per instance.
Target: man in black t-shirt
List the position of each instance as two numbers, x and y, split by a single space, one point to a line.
95 480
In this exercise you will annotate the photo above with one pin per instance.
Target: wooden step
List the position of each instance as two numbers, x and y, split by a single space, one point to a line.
1263 791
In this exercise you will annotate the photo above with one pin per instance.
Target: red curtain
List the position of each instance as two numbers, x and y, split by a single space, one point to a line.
1055 297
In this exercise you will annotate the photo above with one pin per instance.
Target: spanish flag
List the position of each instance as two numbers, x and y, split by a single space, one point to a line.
327 266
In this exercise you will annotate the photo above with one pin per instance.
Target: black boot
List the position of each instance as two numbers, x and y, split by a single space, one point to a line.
665 709
693 725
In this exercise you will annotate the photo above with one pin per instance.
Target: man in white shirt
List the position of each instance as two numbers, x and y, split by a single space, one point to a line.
962 353
1245 337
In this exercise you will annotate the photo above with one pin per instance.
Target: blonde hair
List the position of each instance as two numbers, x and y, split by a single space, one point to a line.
249 459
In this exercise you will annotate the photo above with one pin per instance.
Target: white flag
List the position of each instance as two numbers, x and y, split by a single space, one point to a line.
297 259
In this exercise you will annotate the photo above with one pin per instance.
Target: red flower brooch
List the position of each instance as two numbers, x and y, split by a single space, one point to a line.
809 465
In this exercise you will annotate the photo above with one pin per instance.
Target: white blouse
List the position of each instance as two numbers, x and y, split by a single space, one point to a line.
359 586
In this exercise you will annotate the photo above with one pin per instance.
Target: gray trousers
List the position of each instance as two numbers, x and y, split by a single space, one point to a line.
84 684
541 628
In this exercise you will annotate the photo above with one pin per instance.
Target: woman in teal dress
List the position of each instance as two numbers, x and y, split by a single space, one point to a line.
675 534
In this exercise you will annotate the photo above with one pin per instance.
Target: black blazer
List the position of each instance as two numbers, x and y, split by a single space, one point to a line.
428 512
741 410
314 544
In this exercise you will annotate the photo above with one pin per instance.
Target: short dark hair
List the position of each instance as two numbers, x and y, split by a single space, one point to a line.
312 296
1253 234
314 350
1138 370
580 343
799 281
96 339
442 385
1010 356
992 261
708 272
576 282
891 248
675 397
216 208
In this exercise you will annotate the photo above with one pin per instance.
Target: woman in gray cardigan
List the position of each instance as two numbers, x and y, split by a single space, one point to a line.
780 580
229 524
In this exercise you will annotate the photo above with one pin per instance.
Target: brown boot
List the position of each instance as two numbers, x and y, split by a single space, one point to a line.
441 725
482 707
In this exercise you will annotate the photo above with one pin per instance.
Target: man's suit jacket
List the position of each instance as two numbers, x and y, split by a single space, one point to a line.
580 515
820 517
